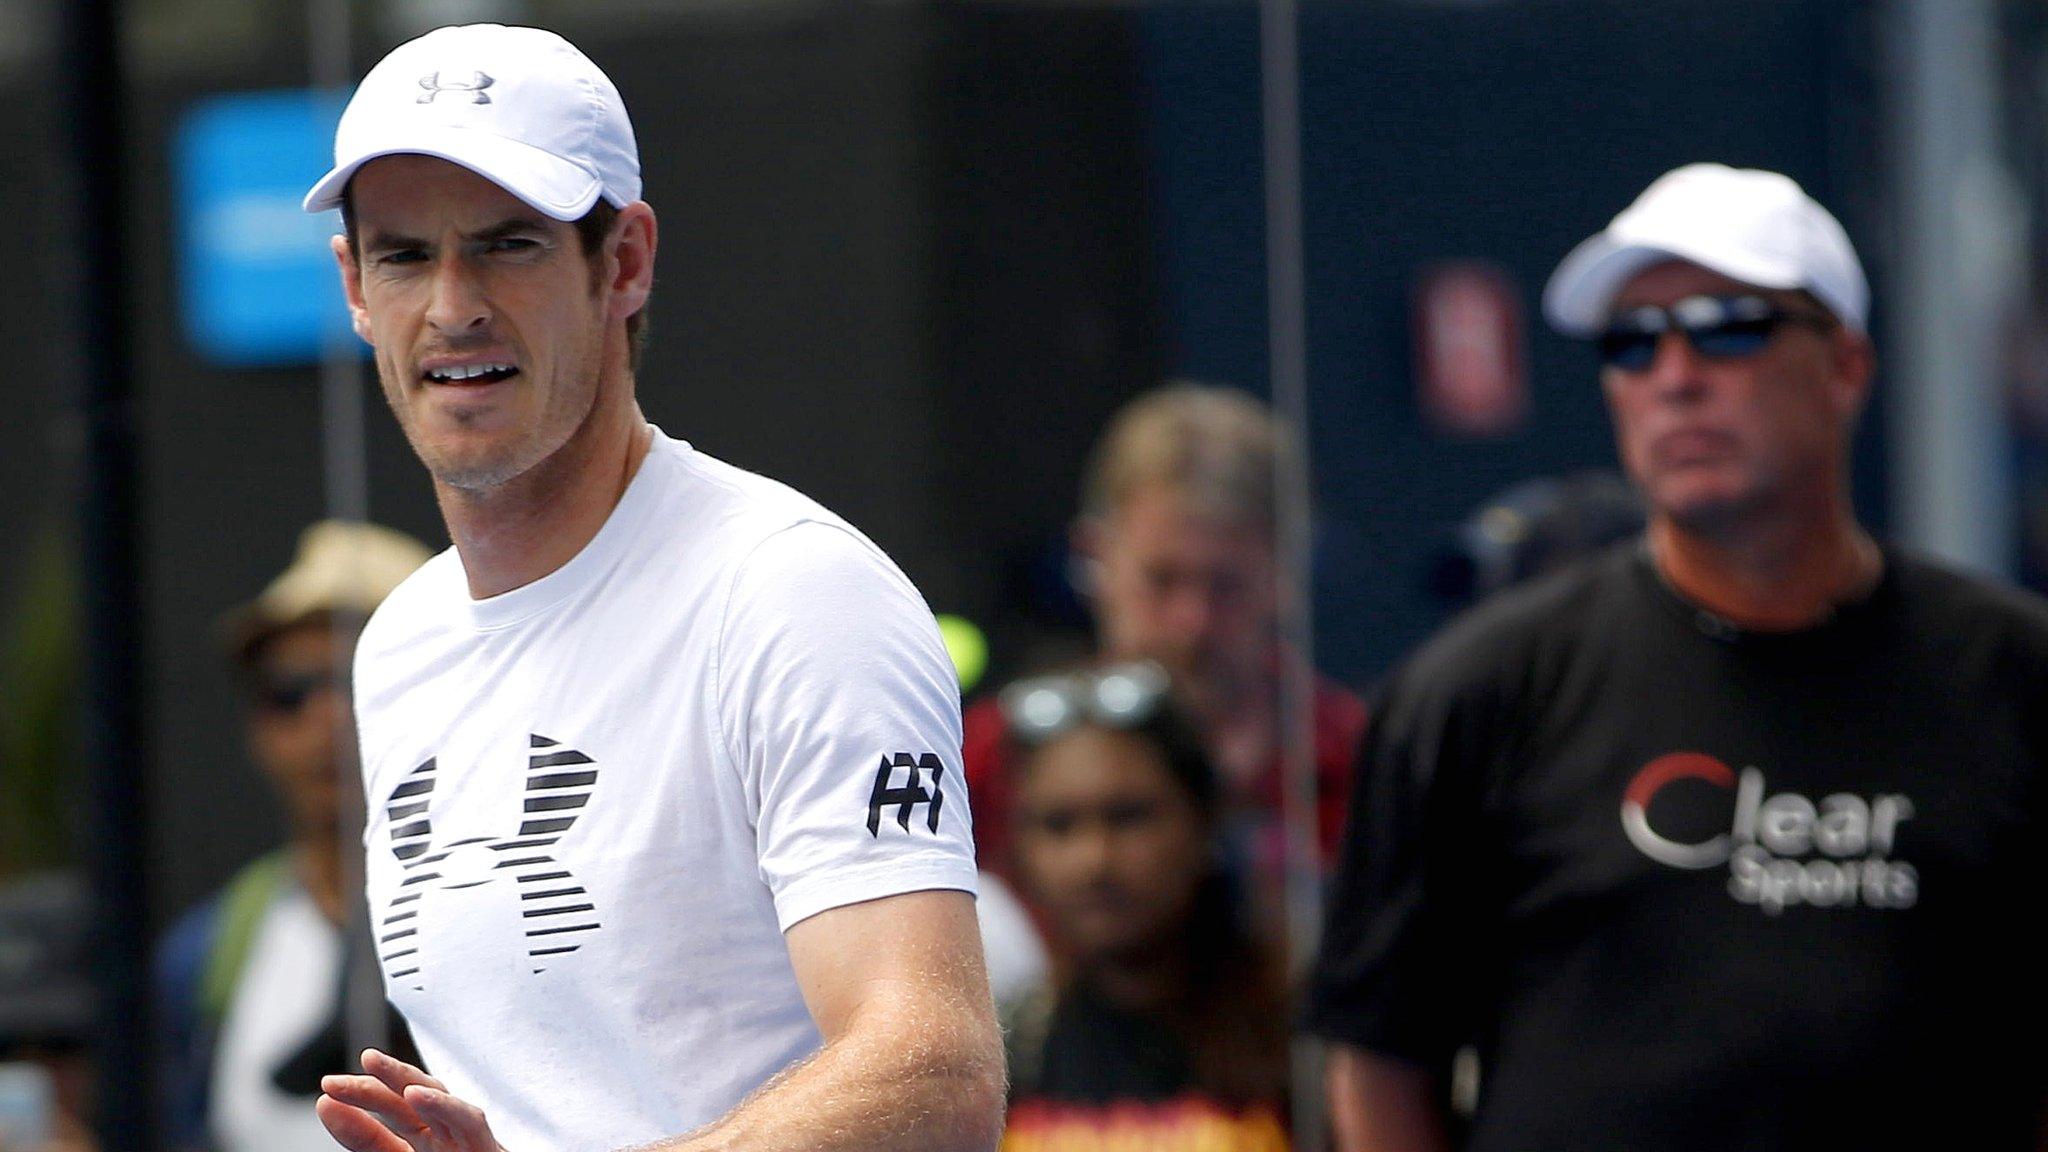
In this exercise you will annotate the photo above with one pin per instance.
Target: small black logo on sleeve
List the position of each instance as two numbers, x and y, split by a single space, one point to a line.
910 794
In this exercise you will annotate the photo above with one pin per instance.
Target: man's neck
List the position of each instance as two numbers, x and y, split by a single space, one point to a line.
1772 577
513 534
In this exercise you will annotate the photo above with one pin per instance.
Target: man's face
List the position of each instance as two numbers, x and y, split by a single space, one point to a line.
1712 442
488 323
301 730
1108 844
1183 587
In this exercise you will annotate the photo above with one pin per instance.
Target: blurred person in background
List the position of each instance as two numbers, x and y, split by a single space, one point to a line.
250 982
1164 1025
1175 542
1534 527
46 1015
1525 531
1721 839
666 841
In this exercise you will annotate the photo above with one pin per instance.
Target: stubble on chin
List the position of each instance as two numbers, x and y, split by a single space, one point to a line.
474 468
1709 514
475 478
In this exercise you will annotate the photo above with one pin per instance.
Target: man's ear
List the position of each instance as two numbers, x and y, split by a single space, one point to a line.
1854 362
352 285
630 256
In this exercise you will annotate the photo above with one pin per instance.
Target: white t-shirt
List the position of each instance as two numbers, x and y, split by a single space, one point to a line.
597 801
283 999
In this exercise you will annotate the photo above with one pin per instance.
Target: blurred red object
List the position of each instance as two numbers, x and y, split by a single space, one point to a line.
1471 372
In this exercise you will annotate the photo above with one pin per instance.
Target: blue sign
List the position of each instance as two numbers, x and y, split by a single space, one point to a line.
257 284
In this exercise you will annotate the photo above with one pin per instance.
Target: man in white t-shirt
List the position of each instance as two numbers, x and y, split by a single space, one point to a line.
667 843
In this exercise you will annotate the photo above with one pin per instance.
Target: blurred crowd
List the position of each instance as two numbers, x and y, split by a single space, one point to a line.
1539 935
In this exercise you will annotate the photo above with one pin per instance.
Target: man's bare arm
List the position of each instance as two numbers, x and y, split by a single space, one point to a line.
912 1058
1379 1104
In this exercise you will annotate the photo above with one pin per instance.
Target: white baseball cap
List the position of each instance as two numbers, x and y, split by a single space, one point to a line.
1747 224
521 107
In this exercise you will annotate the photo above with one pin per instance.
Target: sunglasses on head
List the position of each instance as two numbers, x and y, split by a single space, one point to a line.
1717 327
287 692
1121 696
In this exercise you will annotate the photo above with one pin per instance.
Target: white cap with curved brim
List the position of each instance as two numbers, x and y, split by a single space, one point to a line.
521 107
1747 224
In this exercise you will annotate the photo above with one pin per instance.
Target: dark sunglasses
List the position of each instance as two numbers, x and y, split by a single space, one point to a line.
287 692
1037 709
1717 327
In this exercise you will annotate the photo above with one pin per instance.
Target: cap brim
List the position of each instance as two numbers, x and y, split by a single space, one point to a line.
546 182
1581 291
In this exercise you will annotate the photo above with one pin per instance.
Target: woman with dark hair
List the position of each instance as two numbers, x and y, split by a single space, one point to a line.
1165 1021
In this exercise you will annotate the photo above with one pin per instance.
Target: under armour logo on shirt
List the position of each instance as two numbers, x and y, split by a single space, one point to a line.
555 907
909 795
473 87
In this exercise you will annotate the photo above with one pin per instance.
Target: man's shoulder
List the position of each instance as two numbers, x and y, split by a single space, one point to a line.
426 598
732 504
1504 632
727 519
1929 581
1963 604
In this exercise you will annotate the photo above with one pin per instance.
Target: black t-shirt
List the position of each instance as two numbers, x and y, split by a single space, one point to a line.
1088 1076
1689 887
1092 1052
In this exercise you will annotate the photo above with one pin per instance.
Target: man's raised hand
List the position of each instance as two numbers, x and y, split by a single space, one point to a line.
396 1107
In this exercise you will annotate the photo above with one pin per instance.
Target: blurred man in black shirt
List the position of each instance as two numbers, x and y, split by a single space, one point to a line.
1721 839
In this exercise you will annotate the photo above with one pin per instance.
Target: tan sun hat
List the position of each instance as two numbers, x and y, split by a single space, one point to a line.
341 567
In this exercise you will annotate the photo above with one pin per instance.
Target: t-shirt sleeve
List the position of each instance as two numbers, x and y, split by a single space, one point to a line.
1400 968
841 710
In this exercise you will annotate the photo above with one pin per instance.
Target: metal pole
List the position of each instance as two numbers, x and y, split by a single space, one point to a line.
1280 104
94 90
344 456
1961 246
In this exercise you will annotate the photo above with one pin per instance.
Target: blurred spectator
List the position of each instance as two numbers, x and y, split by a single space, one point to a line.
46 1016
1176 550
1717 840
250 982
1165 1025
1534 527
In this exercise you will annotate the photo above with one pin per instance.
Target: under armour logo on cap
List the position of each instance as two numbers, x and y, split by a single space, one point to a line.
474 86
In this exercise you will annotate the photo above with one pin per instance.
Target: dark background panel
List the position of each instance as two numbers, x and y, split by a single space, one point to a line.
1498 132
41 428
1043 312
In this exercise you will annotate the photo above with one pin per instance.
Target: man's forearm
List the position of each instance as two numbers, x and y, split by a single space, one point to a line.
914 1082
1382 1105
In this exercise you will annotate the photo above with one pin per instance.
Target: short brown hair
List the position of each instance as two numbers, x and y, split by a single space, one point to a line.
592 229
1218 446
